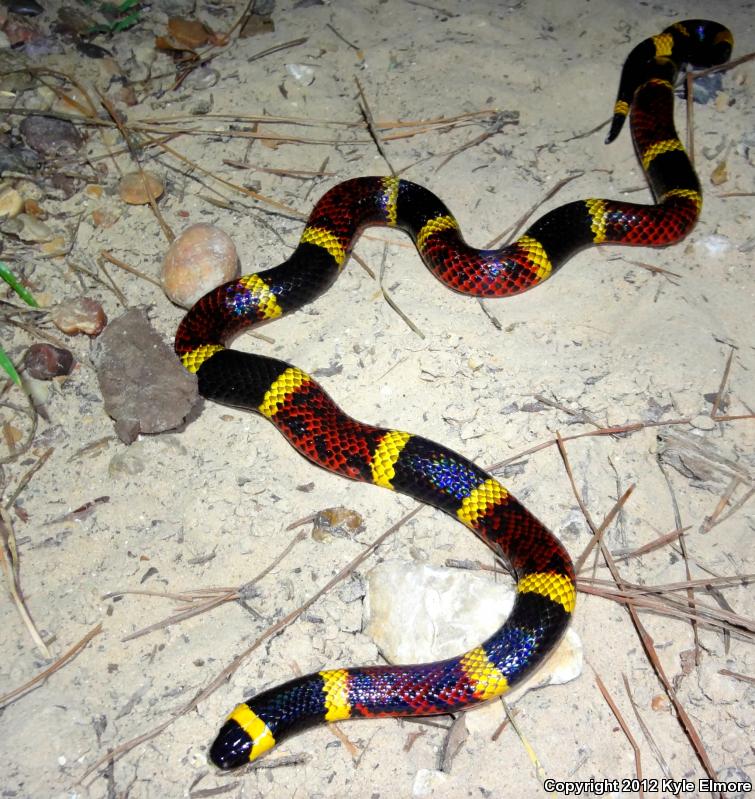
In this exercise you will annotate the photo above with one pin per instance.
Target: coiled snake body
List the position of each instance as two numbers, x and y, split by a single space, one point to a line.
314 425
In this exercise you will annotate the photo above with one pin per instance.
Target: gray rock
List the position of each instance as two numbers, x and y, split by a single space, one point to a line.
28 228
50 136
144 386
18 159
27 8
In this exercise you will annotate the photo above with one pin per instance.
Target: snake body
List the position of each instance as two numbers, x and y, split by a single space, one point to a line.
295 403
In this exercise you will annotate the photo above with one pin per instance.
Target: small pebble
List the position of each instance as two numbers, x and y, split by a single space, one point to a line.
339 521
202 78
133 191
104 217
200 259
44 361
17 159
65 184
188 32
428 782
79 315
49 136
301 73
720 174
660 702
29 8
73 21
715 244
27 228
703 422
11 203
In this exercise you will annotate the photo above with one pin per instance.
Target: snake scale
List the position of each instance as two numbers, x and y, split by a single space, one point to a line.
295 403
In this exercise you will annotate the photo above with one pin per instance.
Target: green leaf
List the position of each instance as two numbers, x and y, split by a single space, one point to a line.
126 22
14 283
7 365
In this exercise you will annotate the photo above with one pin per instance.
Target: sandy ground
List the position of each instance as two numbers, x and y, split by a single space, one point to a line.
209 505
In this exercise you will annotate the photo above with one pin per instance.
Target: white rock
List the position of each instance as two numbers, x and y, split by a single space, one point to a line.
417 613
715 244
301 73
427 781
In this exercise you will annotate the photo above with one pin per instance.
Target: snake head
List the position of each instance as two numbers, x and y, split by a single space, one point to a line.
243 738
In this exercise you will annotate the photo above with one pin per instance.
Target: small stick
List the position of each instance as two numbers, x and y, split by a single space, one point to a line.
735 507
108 256
655 269
7 547
722 386
598 534
685 555
709 522
6 699
713 617
624 726
24 481
343 38
581 414
369 120
286 173
646 732
505 236
112 284
652 545
94 446
387 297
242 189
649 647
215 597
32 412
737 676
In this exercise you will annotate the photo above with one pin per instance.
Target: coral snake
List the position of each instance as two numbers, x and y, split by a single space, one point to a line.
314 425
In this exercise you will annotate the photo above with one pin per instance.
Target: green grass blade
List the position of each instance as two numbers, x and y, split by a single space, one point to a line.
14 283
126 22
7 365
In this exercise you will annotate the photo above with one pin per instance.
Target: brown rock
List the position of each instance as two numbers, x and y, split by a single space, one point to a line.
188 32
44 361
133 191
200 259
79 315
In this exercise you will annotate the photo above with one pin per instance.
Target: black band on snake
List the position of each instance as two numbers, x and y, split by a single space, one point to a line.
316 427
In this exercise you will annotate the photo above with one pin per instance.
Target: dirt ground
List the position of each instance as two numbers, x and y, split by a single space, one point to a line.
637 339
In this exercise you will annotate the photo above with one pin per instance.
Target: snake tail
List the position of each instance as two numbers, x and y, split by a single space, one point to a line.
309 419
